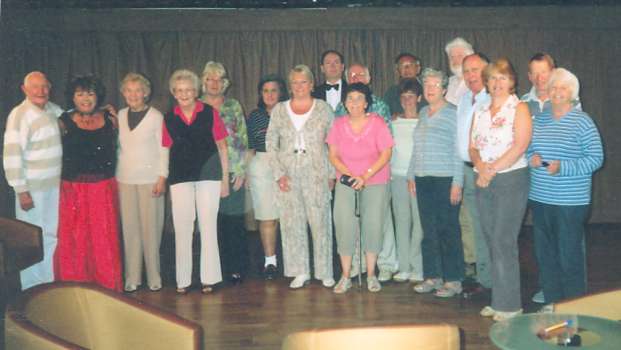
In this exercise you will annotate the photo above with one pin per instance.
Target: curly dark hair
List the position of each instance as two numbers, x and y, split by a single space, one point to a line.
282 87
363 89
85 83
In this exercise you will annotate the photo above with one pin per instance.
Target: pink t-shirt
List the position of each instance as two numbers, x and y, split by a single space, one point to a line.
359 151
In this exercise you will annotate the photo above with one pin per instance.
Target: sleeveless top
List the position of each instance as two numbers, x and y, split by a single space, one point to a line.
88 155
494 136
193 155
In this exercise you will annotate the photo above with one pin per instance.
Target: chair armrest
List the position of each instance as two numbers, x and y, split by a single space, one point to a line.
23 244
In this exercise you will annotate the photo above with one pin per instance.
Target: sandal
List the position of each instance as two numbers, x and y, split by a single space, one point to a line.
182 290
207 289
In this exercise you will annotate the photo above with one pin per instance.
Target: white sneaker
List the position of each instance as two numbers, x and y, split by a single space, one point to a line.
487 311
373 284
401 277
343 286
384 276
428 285
299 281
500 316
328 282
539 297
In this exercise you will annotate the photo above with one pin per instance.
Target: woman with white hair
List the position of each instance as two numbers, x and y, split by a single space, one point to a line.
565 151
231 229
142 169
435 177
198 176
298 156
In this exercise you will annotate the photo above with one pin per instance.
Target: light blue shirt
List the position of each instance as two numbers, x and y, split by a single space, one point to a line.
465 111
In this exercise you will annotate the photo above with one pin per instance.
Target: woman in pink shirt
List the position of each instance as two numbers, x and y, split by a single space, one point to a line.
360 149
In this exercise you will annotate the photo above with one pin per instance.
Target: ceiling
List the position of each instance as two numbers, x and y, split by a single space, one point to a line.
107 4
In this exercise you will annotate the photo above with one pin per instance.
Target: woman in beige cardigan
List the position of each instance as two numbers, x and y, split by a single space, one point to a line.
141 173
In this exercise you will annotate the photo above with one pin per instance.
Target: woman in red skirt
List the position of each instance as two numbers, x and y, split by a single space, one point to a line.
88 232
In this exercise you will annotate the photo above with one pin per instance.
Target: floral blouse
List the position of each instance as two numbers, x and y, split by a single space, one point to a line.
493 136
232 115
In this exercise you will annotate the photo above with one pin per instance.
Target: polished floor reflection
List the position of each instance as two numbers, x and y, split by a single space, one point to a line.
258 314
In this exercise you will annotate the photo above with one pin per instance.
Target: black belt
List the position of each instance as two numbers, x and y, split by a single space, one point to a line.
469 164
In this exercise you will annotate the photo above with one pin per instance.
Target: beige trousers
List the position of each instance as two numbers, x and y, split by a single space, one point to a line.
142 217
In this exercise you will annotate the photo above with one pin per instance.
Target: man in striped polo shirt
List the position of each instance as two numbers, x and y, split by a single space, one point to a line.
32 164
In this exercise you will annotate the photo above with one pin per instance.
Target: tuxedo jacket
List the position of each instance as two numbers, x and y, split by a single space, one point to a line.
320 91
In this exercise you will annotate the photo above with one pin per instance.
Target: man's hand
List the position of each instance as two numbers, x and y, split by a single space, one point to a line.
25 201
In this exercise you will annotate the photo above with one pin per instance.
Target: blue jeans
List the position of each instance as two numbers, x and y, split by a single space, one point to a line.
443 254
560 249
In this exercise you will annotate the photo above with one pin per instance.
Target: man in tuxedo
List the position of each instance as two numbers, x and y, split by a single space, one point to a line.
332 66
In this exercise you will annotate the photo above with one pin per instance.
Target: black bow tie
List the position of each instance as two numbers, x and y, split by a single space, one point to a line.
330 87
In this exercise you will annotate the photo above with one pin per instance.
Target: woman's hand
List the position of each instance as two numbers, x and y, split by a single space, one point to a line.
554 167
358 183
238 182
482 182
455 196
486 172
535 161
412 187
159 188
224 188
283 183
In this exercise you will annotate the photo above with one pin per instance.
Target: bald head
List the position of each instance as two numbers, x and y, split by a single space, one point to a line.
358 73
36 87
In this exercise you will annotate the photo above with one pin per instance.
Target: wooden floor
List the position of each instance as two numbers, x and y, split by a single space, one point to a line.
259 314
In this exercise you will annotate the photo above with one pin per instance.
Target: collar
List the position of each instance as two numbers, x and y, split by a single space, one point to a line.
198 107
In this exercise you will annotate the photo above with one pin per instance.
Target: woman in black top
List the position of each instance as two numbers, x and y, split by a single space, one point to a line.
88 233
263 188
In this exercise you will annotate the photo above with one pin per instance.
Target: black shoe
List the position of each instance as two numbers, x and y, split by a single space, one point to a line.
235 278
269 272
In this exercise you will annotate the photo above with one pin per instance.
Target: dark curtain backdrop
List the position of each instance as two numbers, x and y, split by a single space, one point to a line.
251 43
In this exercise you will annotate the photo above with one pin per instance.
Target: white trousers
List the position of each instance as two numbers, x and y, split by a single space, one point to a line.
189 198
45 215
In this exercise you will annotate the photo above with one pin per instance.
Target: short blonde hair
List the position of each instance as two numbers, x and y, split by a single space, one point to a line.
183 75
302 68
565 77
501 66
217 69
137 78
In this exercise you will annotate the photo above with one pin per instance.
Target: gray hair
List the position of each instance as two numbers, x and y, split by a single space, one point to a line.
565 77
138 78
366 70
183 75
459 42
432 73
302 68
217 69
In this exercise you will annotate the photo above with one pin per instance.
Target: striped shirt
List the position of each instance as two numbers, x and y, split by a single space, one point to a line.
434 152
574 140
257 124
32 154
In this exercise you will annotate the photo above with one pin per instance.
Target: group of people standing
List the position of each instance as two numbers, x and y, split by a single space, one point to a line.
398 169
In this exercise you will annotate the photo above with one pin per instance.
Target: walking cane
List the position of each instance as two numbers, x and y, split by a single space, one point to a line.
357 213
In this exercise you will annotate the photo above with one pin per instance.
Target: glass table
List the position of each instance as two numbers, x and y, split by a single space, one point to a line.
521 332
